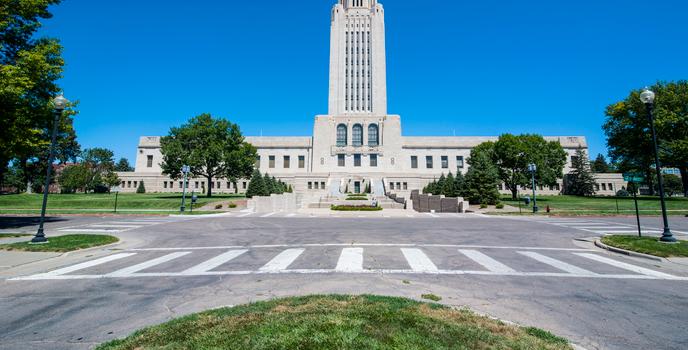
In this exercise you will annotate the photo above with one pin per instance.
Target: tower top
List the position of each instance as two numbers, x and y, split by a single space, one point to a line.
358 4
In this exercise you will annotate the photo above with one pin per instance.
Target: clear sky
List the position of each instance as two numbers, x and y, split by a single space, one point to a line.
469 68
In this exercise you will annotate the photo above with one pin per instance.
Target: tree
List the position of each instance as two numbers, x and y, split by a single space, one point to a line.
74 178
110 179
123 165
142 188
449 188
630 142
600 165
28 75
257 186
439 186
580 181
672 185
512 155
482 179
210 147
100 163
459 184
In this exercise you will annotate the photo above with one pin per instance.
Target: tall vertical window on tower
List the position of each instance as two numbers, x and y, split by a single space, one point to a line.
357 135
149 162
373 135
341 135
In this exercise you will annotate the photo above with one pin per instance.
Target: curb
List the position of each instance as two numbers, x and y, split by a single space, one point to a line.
599 244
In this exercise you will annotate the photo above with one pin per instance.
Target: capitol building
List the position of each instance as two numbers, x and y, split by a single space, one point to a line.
357 143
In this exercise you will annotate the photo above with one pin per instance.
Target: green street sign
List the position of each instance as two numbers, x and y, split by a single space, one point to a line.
634 177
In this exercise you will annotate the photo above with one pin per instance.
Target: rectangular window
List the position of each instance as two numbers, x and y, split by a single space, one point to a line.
302 162
459 162
405 186
229 185
611 187
373 160
287 162
310 185
414 162
341 160
196 184
150 162
316 185
271 161
391 185
445 162
129 184
136 184
428 162
322 185
398 185
357 160
244 185
604 187
164 184
257 162
181 184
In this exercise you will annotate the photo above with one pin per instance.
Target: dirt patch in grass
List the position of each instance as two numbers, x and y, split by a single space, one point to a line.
13 235
62 244
338 322
648 245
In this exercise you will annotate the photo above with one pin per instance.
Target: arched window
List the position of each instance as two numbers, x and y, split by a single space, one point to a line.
373 135
357 135
341 135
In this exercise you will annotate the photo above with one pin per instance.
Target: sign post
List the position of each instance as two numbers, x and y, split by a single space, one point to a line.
116 189
635 178
185 170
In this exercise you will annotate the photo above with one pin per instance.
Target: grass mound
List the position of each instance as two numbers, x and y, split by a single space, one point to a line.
338 322
648 245
355 208
61 244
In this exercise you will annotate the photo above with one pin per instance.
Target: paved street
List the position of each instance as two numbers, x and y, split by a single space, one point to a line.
535 271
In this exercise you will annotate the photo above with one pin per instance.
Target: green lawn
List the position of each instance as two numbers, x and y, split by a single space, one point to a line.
131 201
62 244
572 205
338 322
648 245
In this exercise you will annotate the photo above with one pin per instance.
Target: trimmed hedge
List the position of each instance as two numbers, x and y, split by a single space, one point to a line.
355 208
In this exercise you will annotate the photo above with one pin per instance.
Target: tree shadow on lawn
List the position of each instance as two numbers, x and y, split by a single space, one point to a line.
8 222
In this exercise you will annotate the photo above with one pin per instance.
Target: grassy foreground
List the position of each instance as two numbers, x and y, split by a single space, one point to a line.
337 322
62 244
63 203
572 205
648 245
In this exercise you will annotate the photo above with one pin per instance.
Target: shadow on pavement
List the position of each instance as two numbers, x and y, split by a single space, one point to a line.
7 222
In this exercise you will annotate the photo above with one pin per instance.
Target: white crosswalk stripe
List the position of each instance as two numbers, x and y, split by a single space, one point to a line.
416 260
351 260
487 262
283 260
215 262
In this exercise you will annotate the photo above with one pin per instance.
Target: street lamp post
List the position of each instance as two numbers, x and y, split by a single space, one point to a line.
185 170
533 169
59 104
648 98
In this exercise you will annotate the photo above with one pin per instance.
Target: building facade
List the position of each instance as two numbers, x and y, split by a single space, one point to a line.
357 144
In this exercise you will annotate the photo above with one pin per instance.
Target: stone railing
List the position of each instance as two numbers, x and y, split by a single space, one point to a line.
427 203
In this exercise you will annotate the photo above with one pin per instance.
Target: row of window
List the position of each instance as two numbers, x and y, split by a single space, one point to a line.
357 135
430 162
286 162
316 185
605 187
399 186
341 160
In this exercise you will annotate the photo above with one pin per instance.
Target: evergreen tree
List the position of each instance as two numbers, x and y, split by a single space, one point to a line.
482 179
141 188
600 165
269 185
290 189
438 186
580 181
256 187
459 184
449 188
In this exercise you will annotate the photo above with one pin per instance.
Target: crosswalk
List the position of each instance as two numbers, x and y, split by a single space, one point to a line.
358 259
590 225
115 226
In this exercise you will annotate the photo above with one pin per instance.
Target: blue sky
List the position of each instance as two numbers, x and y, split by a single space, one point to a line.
468 68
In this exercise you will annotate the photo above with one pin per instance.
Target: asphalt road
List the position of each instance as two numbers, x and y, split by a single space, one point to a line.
533 271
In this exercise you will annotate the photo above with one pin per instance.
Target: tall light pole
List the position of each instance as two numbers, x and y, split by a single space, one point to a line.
648 98
59 104
533 169
185 170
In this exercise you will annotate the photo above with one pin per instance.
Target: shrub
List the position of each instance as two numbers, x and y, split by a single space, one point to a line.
357 198
231 205
219 206
483 206
355 208
141 188
500 206
623 193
